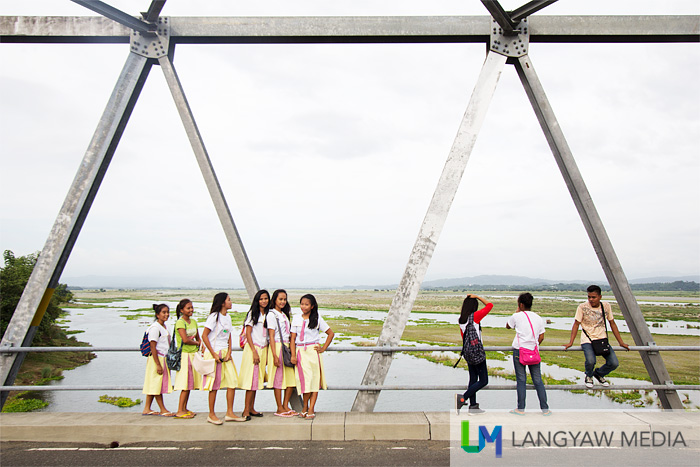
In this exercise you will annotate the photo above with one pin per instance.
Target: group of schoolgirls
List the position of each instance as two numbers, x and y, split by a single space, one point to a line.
268 327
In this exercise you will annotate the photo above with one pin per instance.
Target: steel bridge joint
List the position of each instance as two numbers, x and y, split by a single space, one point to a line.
513 45
152 44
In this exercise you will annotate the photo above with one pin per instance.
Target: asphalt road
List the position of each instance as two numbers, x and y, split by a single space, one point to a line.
326 453
298 453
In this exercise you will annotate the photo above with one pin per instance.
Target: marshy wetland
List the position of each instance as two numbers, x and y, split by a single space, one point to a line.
119 318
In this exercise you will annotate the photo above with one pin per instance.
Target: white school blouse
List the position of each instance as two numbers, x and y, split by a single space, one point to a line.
523 333
284 325
258 331
306 335
220 328
161 335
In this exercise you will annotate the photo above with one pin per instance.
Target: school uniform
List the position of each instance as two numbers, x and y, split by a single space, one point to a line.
187 378
252 376
153 383
309 374
279 377
220 331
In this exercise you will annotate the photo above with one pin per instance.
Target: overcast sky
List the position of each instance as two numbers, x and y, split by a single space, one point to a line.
328 155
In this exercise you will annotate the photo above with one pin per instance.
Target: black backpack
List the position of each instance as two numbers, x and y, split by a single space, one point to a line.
472 348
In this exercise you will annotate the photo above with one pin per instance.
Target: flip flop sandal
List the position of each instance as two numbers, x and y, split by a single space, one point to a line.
292 413
310 416
285 414
186 415
303 414
167 414
152 412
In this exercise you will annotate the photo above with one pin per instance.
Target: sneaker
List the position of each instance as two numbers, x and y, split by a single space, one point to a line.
460 402
474 409
547 412
589 382
601 380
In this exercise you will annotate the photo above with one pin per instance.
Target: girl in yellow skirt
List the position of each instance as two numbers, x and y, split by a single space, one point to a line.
187 335
216 337
306 353
254 359
279 375
157 379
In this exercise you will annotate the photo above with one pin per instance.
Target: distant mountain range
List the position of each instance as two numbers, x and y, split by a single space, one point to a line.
521 280
135 282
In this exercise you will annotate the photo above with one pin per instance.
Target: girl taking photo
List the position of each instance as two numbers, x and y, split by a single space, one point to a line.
478 373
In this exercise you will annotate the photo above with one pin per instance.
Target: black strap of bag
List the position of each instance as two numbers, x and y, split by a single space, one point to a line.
600 346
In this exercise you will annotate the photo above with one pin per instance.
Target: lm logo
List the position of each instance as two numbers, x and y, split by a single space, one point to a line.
484 437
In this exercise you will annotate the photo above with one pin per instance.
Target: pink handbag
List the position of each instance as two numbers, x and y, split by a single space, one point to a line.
527 356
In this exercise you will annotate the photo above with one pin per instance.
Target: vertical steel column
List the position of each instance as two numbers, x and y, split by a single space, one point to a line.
71 217
596 231
217 195
431 228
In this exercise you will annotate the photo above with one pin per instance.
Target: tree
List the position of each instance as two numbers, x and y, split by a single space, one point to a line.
13 278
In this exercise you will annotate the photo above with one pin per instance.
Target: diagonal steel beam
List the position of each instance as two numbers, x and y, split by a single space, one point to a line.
71 217
114 14
501 16
153 11
595 229
529 8
212 182
435 218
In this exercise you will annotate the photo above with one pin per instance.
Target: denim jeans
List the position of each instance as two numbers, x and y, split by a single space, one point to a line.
521 378
478 378
610 361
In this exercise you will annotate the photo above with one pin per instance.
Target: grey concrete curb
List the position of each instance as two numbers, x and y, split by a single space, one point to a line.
332 426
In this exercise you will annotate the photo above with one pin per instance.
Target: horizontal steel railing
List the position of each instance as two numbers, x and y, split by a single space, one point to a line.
341 348
501 387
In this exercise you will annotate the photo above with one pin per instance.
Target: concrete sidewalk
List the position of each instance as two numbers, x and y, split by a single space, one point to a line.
333 426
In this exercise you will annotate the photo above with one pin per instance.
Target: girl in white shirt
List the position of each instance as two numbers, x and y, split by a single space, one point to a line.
254 359
306 353
157 379
217 340
280 376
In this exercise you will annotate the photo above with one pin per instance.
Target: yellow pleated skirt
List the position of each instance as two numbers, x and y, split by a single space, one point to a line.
225 375
280 377
153 383
308 371
252 376
187 378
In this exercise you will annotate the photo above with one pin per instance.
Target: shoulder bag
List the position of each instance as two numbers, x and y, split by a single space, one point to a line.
600 346
174 353
527 356
242 339
205 367
286 351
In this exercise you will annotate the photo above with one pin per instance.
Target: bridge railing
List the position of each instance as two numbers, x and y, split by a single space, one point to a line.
388 349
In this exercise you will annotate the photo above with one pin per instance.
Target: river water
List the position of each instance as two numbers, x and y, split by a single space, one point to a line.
108 326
